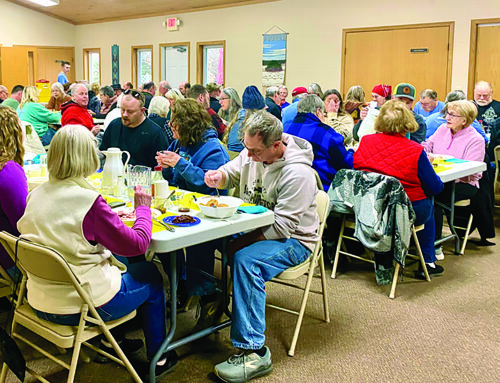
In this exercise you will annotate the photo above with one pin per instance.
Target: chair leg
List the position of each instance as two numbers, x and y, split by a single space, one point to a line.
291 352
337 251
77 346
3 375
392 294
466 235
420 255
323 286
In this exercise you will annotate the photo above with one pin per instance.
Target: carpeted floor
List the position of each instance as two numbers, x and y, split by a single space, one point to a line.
444 331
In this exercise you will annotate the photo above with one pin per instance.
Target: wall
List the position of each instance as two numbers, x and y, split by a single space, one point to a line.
22 26
314 40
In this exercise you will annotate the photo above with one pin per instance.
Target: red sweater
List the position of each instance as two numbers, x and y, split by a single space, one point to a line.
74 114
392 155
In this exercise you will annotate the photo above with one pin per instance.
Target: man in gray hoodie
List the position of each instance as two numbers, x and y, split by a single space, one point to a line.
274 170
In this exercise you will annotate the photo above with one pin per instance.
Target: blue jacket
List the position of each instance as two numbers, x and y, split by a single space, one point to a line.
233 138
330 154
189 172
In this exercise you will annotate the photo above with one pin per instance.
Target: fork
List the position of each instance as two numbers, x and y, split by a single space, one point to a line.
169 228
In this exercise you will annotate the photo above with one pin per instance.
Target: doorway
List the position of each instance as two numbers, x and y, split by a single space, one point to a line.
418 54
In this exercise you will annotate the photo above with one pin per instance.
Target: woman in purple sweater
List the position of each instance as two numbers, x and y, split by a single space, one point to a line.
78 223
13 185
458 139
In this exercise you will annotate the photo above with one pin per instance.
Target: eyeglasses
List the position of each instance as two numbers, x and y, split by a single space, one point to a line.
452 115
224 98
135 94
255 152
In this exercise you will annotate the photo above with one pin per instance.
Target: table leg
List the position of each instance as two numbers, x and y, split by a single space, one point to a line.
451 225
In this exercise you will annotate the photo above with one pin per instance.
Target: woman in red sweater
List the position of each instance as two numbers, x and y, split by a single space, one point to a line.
389 152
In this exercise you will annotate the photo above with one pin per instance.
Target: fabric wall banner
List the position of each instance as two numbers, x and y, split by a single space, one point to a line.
115 64
274 59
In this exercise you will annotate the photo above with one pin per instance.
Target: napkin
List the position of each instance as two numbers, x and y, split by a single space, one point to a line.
252 209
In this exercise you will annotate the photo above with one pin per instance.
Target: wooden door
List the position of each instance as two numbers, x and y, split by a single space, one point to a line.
16 66
419 55
49 62
485 57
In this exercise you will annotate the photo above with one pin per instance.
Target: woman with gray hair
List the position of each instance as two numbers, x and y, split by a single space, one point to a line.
89 233
434 121
336 116
230 105
57 97
159 108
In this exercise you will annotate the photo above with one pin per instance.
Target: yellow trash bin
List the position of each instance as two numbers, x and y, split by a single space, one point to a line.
44 87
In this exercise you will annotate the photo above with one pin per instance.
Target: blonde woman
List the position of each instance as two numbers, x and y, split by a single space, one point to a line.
355 99
230 105
159 108
13 185
57 97
172 96
37 115
94 105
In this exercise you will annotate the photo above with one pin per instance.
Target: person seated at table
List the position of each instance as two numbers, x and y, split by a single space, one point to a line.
195 150
381 94
389 152
13 185
435 120
108 101
336 116
230 105
159 108
330 154
135 133
354 100
456 138
115 113
251 102
75 112
172 96
37 115
280 165
57 97
94 105
88 232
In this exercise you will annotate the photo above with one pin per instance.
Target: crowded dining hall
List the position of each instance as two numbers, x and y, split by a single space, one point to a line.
185 200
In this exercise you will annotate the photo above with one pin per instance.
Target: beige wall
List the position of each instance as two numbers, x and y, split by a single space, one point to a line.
314 40
22 26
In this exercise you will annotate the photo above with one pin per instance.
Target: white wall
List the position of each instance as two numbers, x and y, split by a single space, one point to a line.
314 40
22 26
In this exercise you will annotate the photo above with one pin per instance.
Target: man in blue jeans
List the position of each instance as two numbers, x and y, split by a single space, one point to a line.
274 170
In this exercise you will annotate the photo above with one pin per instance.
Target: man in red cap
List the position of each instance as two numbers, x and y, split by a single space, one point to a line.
290 112
380 93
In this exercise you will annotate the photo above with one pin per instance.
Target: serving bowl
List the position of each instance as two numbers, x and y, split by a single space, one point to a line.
211 210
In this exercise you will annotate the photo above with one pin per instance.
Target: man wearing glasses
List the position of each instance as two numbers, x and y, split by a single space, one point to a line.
135 133
274 170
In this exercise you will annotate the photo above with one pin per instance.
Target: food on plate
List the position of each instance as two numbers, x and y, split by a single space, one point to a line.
214 203
184 209
126 214
183 219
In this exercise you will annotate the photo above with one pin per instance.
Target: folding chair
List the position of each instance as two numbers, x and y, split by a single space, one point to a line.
307 267
45 263
6 284
348 221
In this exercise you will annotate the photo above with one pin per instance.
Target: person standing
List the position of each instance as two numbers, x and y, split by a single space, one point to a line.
62 77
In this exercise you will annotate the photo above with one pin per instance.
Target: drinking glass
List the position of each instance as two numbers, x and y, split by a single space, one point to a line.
138 175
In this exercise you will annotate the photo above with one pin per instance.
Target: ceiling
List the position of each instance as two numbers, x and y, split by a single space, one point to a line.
97 11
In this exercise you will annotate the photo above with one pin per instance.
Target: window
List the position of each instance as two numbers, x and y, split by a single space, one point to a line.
92 64
174 63
211 62
142 64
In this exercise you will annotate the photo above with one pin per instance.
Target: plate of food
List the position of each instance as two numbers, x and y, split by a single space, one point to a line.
218 207
182 220
127 213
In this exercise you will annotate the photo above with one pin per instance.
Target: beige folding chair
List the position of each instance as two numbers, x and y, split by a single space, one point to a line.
465 203
6 284
45 263
348 222
307 267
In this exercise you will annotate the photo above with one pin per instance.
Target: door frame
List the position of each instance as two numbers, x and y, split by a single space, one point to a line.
474 25
449 24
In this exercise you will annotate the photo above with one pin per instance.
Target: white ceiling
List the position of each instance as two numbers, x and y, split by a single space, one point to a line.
97 11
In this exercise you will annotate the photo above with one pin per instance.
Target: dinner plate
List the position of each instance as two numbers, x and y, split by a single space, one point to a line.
155 213
169 219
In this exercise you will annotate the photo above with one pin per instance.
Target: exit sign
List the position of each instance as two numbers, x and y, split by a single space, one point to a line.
172 24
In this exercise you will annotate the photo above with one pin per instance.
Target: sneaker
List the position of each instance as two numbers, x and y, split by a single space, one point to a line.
433 271
245 366
130 347
439 254
208 314
161 370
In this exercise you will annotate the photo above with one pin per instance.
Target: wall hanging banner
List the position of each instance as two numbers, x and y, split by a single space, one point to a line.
115 64
274 59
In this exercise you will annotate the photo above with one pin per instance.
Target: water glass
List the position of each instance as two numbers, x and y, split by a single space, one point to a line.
138 175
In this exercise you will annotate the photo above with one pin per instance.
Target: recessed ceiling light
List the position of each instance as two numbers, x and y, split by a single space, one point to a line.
46 3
